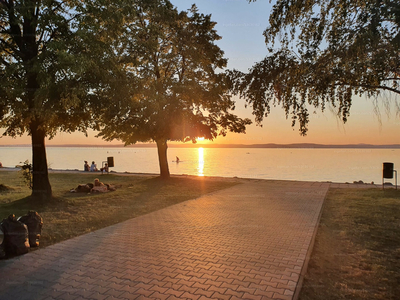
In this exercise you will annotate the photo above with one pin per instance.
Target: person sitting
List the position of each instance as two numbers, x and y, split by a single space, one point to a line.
93 167
177 159
86 167
105 169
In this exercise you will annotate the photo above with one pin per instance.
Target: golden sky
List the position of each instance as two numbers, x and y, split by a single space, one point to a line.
241 26
364 125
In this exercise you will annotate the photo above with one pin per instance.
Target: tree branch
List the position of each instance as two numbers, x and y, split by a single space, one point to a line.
60 4
367 86
15 30
4 62
9 46
382 87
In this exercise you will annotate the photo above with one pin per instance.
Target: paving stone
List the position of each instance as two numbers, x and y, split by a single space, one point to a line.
204 293
217 295
116 293
187 295
159 296
251 296
97 296
188 289
246 242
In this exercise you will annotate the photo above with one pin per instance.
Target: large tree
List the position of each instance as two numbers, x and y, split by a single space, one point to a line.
178 89
324 52
53 54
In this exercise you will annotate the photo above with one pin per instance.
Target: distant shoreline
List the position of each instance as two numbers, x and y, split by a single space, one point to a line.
334 184
265 146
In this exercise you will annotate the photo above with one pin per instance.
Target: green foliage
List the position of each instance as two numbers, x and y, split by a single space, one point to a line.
322 53
176 91
26 173
176 88
53 56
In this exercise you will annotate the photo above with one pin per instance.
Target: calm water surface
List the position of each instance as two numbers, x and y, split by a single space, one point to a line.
336 165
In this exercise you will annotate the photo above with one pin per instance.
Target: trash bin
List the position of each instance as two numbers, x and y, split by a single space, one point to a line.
110 162
388 170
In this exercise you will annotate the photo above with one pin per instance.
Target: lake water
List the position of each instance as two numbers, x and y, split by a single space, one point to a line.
336 165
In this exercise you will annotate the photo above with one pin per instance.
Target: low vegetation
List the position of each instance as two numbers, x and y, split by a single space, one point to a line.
71 214
357 249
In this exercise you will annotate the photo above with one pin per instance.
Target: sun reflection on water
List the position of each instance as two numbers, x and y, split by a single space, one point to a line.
200 168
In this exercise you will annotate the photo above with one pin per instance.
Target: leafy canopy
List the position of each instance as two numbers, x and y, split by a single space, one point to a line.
324 52
52 55
177 90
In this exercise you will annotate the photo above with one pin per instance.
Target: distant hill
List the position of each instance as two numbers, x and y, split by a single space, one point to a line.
319 146
280 146
271 145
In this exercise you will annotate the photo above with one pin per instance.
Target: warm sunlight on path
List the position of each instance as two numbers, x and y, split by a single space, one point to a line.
246 242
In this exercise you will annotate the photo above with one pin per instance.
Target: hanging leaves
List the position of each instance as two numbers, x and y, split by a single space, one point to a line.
324 52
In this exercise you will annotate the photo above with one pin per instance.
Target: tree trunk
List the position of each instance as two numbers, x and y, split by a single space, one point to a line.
162 158
41 189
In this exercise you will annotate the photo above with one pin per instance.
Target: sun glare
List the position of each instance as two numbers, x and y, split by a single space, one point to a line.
200 139
200 168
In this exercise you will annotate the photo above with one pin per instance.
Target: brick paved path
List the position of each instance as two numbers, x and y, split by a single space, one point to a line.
246 242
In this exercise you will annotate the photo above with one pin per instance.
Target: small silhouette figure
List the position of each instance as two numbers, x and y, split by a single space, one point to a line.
93 167
105 169
177 159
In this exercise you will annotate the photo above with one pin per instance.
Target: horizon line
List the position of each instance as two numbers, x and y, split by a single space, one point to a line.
197 145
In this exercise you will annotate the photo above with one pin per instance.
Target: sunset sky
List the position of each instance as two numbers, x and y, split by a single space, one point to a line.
241 26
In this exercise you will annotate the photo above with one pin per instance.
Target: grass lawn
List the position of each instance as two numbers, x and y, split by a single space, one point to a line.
72 214
357 249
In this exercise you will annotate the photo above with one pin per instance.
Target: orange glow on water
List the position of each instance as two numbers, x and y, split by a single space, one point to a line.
200 168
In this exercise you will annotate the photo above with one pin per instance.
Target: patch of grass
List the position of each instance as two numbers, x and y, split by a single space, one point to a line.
72 214
357 248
